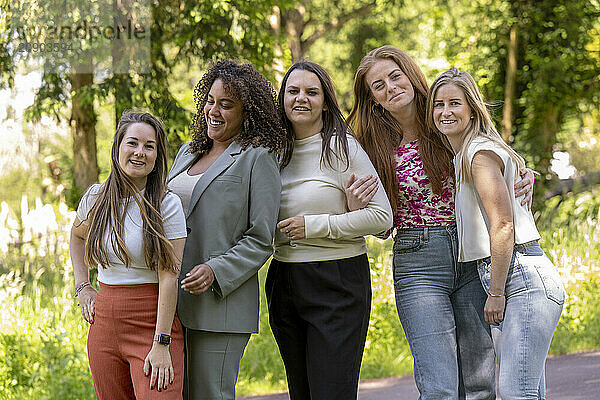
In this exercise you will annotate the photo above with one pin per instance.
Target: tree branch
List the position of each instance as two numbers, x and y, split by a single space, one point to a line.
337 23
579 184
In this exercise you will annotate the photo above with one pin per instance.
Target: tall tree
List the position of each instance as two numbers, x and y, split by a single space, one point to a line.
6 54
83 128
182 32
510 83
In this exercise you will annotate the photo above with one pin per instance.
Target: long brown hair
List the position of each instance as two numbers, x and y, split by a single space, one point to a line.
334 123
108 211
380 134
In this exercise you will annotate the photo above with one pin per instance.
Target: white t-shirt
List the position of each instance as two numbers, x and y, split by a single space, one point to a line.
138 272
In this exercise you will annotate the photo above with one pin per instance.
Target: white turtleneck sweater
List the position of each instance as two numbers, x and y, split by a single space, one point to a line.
317 192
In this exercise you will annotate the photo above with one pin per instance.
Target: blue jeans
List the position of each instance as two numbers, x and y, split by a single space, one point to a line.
534 302
440 304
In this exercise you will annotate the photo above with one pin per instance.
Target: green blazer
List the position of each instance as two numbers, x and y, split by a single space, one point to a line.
230 223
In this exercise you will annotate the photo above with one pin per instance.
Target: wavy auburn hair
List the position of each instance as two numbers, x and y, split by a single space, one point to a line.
379 132
334 123
108 211
481 125
261 124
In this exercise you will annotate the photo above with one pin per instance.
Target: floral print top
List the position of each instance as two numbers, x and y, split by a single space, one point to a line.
418 205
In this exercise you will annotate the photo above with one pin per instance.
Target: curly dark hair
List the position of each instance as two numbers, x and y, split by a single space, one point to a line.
261 126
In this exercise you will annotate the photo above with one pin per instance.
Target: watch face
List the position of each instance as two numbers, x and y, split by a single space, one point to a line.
163 339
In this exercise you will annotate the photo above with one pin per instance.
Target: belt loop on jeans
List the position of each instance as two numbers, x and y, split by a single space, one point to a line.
524 246
426 233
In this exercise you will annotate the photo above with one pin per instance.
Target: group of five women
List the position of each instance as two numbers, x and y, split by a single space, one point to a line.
288 176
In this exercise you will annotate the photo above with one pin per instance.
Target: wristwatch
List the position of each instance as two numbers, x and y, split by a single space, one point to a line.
162 339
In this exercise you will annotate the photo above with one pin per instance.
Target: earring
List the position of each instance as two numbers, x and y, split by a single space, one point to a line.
377 109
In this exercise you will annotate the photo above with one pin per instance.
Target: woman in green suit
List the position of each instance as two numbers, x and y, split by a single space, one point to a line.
229 183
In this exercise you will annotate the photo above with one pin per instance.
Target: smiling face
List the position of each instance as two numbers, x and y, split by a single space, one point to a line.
223 114
390 86
451 112
137 153
304 102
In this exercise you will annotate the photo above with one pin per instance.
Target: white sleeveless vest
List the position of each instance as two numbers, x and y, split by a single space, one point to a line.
471 220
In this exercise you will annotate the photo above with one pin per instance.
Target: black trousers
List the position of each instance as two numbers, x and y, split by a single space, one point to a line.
319 314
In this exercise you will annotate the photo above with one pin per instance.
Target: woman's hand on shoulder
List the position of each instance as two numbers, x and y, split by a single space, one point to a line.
199 279
360 191
158 364
87 299
524 187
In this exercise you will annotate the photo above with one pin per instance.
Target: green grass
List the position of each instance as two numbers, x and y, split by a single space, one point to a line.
43 337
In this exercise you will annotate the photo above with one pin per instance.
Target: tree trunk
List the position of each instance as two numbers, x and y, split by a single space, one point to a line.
294 28
83 129
277 65
120 57
294 23
580 184
509 88
123 98
549 122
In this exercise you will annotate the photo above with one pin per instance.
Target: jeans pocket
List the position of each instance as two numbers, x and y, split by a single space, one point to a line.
550 278
484 269
407 244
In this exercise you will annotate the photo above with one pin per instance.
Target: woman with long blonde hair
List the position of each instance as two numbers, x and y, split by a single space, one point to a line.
525 294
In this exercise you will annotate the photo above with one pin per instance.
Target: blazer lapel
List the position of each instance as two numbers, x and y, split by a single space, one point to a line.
182 163
220 165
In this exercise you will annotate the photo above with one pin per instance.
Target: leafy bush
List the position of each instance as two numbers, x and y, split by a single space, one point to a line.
579 325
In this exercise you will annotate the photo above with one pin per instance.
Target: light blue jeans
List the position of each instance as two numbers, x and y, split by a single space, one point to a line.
440 304
534 302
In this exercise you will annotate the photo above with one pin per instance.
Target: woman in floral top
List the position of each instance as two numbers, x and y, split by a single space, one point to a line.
439 300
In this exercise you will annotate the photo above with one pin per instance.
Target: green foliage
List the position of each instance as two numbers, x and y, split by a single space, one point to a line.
386 350
50 368
556 72
580 137
579 325
570 231
261 369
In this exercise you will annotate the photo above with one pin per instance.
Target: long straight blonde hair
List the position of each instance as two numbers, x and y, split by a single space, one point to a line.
481 124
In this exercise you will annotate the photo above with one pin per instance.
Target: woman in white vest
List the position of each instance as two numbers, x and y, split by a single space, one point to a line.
525 291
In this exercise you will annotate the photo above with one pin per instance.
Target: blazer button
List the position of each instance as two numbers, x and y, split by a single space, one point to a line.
188 230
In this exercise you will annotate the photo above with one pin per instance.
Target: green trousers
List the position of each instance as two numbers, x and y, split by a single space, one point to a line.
212 363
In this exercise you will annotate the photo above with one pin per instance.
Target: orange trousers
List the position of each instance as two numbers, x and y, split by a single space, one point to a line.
119 341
